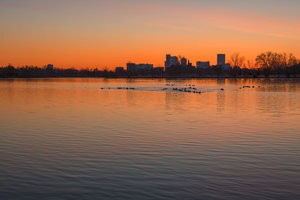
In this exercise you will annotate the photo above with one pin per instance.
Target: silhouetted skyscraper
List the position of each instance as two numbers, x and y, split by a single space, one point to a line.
221 59
168 60
171 61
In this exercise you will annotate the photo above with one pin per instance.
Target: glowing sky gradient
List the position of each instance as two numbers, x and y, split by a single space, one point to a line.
109 33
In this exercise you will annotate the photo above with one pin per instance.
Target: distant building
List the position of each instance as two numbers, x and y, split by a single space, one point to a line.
171 61
226 66
131 67
145 67
202 65
139 68
119 70
49 67
184 61
158 71
168 61
221 59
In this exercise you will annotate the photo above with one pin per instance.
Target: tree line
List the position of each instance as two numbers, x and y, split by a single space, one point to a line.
269 63
37 72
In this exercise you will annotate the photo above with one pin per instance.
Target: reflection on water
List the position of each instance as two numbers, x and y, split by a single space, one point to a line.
68 139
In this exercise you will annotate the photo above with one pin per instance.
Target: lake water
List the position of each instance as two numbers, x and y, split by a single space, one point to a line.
95 139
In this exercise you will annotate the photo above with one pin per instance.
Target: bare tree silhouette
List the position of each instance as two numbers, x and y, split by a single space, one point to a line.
275 62
236 60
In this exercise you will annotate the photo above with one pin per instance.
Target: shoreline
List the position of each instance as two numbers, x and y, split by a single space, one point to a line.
146 77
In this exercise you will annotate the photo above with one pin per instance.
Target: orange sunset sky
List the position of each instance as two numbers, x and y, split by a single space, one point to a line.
103 33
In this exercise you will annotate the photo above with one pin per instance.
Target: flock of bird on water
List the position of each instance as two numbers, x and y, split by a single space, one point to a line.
171 87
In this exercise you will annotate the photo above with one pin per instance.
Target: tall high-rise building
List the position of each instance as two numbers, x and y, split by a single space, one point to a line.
168 60
171 61
221 59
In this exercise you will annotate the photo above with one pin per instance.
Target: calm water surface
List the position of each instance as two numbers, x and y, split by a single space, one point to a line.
70 139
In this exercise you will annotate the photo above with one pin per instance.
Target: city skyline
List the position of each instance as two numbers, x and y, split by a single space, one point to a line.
109 34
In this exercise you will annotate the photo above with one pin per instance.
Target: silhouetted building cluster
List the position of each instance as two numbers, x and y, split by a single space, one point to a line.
175 61
139 68
202 65
183 67
145 70
177 66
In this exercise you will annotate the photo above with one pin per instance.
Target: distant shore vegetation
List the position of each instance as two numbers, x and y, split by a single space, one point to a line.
267 64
